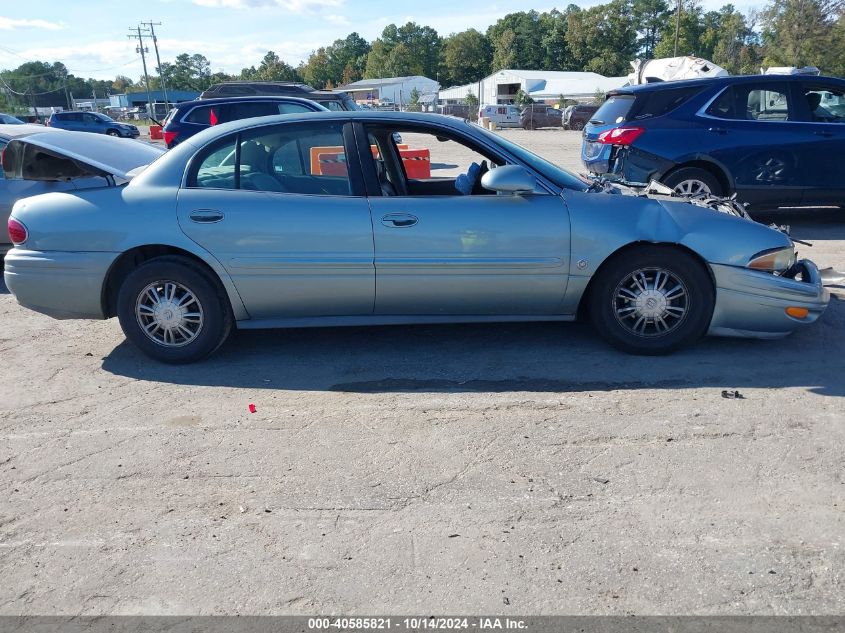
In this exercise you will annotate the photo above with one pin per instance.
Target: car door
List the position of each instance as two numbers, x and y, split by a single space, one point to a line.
441 252
91 123
754 130
822 104
277 206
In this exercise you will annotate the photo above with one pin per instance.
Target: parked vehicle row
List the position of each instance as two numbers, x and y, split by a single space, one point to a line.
311 220
773 140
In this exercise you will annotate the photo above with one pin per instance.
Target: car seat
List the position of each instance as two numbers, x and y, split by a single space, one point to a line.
387 188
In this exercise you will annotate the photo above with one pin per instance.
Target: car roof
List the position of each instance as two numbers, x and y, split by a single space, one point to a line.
244 99
16 130
368 116
722 81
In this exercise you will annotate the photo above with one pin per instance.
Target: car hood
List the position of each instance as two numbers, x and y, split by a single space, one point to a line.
660 192
63 155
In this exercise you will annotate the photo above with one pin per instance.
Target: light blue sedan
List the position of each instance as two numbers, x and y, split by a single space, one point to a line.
322 219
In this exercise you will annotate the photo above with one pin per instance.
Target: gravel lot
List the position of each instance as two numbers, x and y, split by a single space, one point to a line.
516 469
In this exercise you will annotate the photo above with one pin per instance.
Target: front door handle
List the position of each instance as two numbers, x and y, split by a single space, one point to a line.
206 216
717 130
399 220
824 134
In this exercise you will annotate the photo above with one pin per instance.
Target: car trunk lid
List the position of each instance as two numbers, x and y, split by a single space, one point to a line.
64 156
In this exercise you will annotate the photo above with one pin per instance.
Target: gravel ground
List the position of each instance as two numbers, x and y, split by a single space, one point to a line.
516 469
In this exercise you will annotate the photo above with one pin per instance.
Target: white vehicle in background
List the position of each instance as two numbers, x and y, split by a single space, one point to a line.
502 115
672 69
790 70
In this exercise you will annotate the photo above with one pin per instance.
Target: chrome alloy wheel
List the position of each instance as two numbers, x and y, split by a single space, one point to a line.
692 187
169 313
650 302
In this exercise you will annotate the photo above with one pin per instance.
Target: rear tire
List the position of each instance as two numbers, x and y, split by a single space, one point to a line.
173 310
692 181
652 300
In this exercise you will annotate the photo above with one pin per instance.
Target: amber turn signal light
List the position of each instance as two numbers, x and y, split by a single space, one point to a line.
797 313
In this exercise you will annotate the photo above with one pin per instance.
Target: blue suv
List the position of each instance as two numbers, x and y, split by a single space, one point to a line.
92 122
191 117
774 140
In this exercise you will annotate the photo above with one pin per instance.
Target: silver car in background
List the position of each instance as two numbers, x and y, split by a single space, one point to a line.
323 219
43 175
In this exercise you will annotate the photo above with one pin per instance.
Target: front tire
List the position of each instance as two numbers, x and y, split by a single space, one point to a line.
113 133
173 311
652 300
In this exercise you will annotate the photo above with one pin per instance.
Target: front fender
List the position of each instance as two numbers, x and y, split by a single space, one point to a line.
604 223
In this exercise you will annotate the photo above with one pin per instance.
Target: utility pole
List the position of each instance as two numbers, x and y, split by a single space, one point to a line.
677 28
64 85
158 60
140 49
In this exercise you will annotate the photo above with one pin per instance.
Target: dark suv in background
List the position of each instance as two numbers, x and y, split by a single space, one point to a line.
190 117
774 140
539 115
576 117
326 98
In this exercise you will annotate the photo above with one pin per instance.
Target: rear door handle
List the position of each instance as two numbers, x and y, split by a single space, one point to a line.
399 220
206 216
717 130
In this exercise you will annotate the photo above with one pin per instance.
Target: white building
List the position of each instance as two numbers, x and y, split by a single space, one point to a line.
540 85
394 90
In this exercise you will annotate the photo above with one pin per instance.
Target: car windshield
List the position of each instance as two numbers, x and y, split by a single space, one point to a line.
559 176
102 117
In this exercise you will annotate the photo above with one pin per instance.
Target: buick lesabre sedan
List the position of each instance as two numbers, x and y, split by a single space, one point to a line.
323 219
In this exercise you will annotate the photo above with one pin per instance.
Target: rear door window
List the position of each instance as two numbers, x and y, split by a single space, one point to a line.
249 109
302 159
615 109
753 102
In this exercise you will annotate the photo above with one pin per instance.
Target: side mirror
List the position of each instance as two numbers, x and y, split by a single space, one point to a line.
511 179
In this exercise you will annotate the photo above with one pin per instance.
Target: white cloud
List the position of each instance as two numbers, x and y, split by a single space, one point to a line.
9 24
295 6
340 20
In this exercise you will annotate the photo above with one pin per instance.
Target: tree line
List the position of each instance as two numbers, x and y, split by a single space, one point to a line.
602 39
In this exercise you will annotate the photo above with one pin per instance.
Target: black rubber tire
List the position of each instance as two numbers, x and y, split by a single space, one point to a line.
695 173
113 133
700 297
218 320
576 126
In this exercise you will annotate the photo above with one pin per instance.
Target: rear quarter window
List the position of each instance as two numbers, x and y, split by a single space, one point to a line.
615 109
661 102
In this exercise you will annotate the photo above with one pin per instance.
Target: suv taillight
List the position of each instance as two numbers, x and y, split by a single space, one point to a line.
620 135
169 137
17 231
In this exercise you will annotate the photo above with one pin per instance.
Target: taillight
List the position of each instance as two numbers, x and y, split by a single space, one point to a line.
169 137
620 135
17 231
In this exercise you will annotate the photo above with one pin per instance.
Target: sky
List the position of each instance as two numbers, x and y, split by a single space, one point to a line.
90 37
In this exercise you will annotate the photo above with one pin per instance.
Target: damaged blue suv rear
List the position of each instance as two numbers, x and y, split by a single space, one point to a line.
769 139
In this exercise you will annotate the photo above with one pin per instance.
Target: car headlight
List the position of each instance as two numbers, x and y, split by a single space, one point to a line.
773 260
